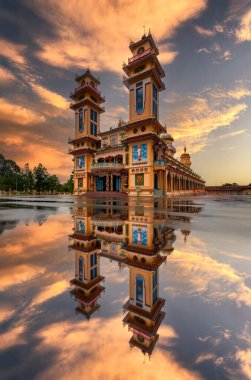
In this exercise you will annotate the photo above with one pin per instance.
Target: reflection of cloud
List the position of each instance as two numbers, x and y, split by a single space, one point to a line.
205 357
18 274
78 347
73 22
18 114
12 338
202 275
51 291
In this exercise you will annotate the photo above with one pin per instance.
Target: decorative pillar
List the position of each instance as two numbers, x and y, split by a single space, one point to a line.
92 183
107 182
111 182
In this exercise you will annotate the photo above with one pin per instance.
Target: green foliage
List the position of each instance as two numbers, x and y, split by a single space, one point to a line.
12 178
230 184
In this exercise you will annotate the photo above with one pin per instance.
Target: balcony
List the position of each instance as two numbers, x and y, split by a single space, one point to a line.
141 55
158 163
107 165
86 85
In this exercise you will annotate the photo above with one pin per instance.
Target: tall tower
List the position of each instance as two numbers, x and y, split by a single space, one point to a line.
185 158
144 81
87 107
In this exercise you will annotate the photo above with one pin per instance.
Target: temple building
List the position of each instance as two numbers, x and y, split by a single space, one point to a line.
136 157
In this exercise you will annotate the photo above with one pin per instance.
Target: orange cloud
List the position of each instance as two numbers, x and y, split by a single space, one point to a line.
18 114
102 47
193 118
13 52
5 313
12 338
50 97
6 75
244 31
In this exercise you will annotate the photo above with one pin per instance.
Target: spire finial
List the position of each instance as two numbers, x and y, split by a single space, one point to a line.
144 29
149 32
185 149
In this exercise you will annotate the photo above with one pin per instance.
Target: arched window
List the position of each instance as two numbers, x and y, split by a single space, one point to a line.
80 268
80 120
141 50
139 291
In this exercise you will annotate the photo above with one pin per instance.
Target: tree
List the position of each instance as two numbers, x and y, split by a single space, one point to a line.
41 175
53 183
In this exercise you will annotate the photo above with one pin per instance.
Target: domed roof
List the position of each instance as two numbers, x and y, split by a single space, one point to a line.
185 154
166 136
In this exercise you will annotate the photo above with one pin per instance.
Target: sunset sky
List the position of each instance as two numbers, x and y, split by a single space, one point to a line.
205 50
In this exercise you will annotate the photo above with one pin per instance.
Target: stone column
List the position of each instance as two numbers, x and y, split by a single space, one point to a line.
111 182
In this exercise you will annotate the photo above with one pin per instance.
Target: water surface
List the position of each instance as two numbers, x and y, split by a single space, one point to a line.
114 289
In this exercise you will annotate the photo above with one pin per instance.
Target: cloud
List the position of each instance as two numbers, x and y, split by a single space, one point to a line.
18 114
12 338
13 52
5 313
6 76
243 33
83 39
50 97
219 54
244 358
205 32
194 117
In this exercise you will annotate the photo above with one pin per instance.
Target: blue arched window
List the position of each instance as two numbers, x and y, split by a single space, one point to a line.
81 268
139 291
80 120
139 97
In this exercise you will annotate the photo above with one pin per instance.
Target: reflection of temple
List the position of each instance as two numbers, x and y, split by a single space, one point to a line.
137 237
87 281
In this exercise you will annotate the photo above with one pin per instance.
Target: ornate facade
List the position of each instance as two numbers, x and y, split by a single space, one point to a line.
136 157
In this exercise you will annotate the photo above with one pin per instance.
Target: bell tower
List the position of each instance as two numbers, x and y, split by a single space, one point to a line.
87 101
144 82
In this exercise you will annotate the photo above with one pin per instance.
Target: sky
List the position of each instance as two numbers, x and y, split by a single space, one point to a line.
205 50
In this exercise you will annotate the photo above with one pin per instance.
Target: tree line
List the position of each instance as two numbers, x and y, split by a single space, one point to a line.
14 178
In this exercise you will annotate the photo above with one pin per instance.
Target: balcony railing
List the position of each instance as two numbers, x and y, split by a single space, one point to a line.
159 163
140 55
107 165
87 85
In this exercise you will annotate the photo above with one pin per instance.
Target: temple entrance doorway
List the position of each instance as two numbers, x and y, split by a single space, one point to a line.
116 182
101 183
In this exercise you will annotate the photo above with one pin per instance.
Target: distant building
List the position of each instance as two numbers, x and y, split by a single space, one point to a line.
233 189
136 157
